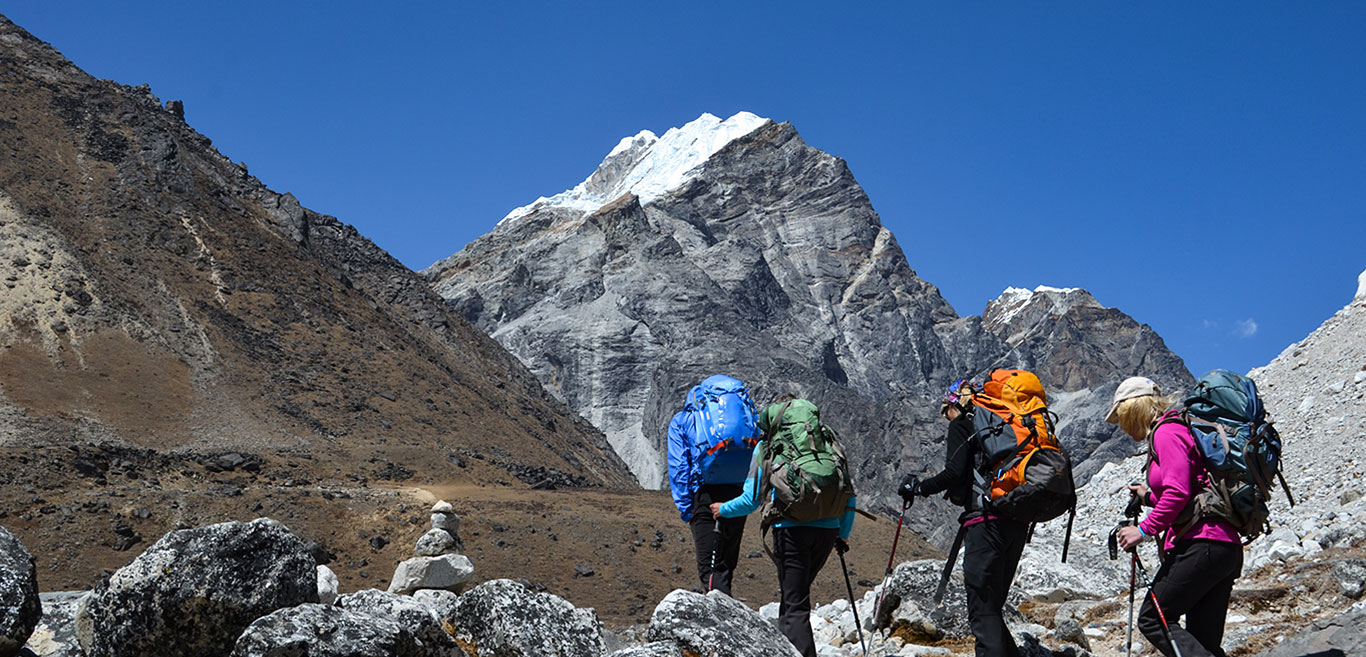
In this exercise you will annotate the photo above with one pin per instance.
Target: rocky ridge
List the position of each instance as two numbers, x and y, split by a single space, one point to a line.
161 305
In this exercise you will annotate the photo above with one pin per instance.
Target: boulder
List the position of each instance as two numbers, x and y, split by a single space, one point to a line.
1350 574
55 635
652 649
327 585
435 543
316 630
912 587
449 572
417 617
1341 635
442 603
716 625
19 591
501 618
194 591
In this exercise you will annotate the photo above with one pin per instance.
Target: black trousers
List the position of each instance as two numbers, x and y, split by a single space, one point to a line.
799 553
991 552
1195 581
717 543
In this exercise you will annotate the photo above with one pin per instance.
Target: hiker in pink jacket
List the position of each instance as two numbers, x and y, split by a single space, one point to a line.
1203 556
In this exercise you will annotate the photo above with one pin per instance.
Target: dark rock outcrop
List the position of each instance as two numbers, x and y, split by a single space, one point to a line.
19 591
194 591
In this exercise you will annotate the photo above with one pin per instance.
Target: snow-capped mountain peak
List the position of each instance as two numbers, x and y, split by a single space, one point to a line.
648 165
1053 300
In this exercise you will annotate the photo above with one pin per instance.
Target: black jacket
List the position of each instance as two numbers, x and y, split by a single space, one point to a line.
959 452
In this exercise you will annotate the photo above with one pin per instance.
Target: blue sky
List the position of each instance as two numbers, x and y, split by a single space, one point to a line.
1200 166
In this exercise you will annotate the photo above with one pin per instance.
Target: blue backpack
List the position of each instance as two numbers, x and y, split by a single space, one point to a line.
724 429
1241 450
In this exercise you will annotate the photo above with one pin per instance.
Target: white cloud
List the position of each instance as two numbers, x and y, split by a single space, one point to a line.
1209 324
1246 328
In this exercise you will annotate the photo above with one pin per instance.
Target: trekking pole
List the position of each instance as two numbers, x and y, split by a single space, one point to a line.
1129 638
852 605
1166 629
877 607
715 547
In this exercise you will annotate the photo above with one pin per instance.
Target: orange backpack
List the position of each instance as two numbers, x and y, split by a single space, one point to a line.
1023 471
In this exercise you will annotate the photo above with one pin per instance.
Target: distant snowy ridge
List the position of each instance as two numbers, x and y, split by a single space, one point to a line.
649 166
1015 299
1361 285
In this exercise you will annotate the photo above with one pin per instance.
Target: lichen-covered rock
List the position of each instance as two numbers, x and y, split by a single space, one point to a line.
419 618
501 618
327 585
55 635
435 543
194 591
652 649
442 603
448 572
18 594
316 630
716 625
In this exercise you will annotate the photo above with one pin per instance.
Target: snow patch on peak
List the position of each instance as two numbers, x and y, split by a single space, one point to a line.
649 166
1361 286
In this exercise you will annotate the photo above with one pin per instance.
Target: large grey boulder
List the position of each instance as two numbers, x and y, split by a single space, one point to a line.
716 625
1341 635
55 635
448 572
19 593
418 618
910 598
194 591
316 630
501 618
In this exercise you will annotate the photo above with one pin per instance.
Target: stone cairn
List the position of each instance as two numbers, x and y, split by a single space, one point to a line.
438 564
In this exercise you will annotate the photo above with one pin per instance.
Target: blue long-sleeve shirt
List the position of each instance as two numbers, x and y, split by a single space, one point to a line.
748 502
682 480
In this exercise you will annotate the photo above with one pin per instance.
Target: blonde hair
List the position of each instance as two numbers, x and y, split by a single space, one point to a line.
1137 415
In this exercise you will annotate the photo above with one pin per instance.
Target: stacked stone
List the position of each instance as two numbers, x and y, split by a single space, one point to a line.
438 564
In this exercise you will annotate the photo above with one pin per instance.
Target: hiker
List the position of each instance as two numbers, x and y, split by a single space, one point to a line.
992 543
813 522
710 444
1201 563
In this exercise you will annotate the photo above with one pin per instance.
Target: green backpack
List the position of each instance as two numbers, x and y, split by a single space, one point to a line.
806 476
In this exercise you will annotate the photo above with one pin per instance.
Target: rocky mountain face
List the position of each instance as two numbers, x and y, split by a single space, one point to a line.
767 261
162 308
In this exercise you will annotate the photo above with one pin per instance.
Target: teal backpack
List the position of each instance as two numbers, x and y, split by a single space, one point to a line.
1241 450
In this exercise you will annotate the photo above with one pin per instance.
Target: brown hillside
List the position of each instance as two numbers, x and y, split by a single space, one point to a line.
160 307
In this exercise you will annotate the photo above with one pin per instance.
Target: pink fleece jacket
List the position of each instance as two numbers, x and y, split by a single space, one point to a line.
1173 478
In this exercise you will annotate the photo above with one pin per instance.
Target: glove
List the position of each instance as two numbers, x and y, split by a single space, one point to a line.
841 546
910 487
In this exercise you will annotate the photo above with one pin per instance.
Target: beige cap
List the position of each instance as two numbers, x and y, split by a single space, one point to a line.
1134 386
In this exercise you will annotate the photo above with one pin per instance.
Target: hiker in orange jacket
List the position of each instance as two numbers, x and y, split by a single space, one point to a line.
992 544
